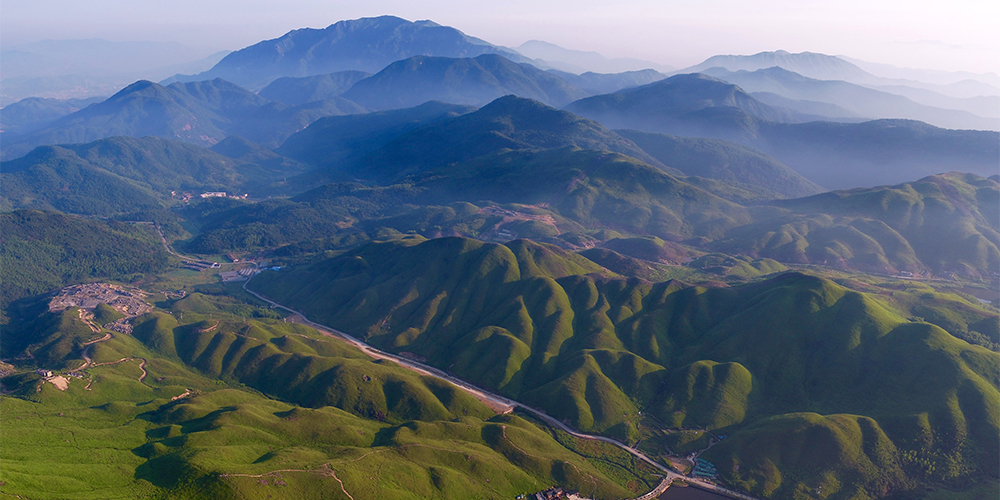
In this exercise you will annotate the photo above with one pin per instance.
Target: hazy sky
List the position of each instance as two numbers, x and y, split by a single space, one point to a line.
953 35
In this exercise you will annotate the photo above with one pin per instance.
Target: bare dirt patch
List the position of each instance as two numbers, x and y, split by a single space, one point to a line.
61 383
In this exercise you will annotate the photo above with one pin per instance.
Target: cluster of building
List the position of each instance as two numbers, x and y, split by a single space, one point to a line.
704 469
200 265
553 493
506 235
120 326
128 301
186 197
241 275
223 194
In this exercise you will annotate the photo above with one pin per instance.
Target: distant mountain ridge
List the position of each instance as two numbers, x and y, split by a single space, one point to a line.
467 81
833 155
809 64
689 104
579 61
33 113
856 99
605 83
196 112
366 44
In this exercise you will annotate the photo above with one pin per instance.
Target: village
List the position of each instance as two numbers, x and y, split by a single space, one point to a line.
128 301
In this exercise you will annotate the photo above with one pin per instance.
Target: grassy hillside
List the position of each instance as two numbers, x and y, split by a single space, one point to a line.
152 425
592 188
595 350
562 195
41 251
945 224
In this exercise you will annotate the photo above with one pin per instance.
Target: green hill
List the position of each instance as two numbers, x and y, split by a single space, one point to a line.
734 164
190 113
693 105
33 113
125 174
944 224
41 251
507 123
553 193
593 188
140 421
295 91
336 141
472 81
595 350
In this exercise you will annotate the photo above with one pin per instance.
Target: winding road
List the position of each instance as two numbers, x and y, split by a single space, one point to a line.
496 401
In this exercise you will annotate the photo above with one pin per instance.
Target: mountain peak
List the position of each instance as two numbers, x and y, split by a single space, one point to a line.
367 44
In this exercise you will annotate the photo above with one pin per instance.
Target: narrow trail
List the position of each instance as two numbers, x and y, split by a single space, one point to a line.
497 400
106 336
87 361
342 488
88 322
186 393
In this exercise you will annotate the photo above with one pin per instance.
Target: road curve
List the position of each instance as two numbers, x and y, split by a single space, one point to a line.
496 399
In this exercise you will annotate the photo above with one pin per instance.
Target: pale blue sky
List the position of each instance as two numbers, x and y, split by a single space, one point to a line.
954 35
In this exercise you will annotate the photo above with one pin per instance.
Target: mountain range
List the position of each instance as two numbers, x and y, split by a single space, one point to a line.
833 155
578 61
367 44
80 69
197 112
850 99
656 259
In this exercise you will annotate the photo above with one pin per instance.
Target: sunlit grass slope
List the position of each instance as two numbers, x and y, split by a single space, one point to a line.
192 427
595 349
946 224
